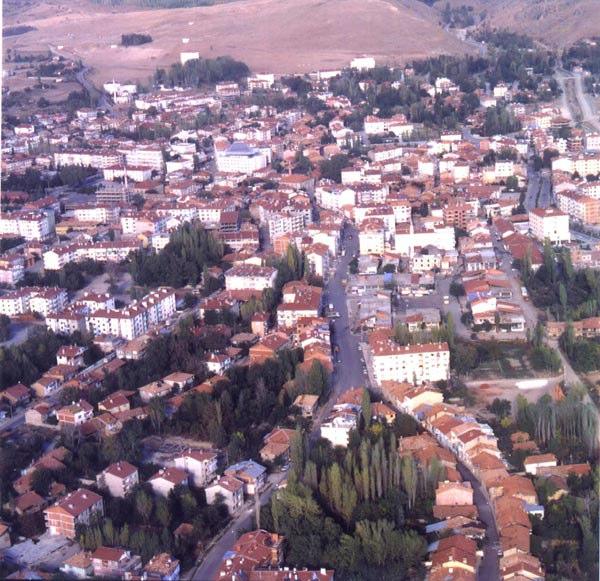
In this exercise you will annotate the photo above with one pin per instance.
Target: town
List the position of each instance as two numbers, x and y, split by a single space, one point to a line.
341 325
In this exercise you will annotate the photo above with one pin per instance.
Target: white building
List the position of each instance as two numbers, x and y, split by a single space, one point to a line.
29 225
549 224
337 427
363 63
409 363
250 277
201 465
241 158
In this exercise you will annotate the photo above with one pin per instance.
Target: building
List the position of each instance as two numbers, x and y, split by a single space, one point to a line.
277 444
230 489
407 363
532 464
165 480
342 420
115 563
118 478
75 414
163 567
241 158
250 277
252 474
77 508
549 224
201 465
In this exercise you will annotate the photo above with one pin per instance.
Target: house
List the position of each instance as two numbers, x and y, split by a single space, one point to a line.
250 277
115 563
155 389
454 494
253 550
28 503
455 557
277 444
533 463
251 473
201 465
342 420
307 404
382 412
71 355
118 478
166 479
179 380
163 567
16 395
116 402
78 566
230 489
269 346
76 508
75 414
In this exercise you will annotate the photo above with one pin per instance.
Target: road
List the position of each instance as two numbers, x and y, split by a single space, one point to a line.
18 419
582 110
539 188
348 368
489 567
348 373
242 522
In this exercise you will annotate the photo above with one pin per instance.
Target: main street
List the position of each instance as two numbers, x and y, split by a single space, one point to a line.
348 372
348 368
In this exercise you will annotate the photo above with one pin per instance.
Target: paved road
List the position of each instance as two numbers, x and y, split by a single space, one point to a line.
243 522
539 189
583 108
348 368
17 420
489 568
347 373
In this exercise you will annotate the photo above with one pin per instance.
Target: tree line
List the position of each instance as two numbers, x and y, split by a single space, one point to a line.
199 72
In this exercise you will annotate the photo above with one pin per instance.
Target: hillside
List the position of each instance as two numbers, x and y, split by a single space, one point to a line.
554 22
269 35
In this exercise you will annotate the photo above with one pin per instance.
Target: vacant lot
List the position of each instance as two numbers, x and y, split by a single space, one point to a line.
269 35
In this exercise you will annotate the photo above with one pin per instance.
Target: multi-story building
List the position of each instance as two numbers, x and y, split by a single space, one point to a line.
201 465
75 414
87 158
12 269
77 508
43 300
407 363
241 158
250 277
118 478
31 225
583 208
230 489
371 237
550 224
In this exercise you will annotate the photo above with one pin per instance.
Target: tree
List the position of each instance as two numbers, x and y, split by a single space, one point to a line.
410 479
318 380
143 505
500 407
457 289
366 407
331 169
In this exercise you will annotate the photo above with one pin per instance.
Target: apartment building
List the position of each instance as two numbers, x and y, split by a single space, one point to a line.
407 363
42 300
549 224
118 478
579 207
230 489
12 269
87 158
299 300
77 508
250 277
201 465
31 225
371 237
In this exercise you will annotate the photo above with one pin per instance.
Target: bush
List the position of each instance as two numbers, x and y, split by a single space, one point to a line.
135 39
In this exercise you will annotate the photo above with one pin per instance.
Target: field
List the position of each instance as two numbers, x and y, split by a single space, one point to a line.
270 36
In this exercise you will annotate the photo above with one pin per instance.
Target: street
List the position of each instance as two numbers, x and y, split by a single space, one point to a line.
489 565
244 521
348 373
348 369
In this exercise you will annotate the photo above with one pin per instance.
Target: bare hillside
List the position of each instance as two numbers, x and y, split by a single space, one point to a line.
554 22
269 35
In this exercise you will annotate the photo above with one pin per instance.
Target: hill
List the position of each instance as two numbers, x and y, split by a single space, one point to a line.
269 35
557 23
